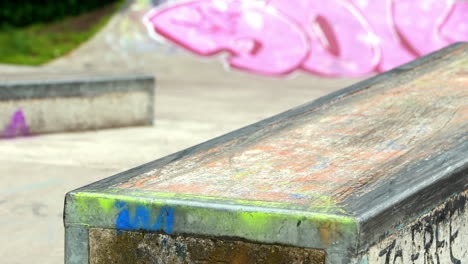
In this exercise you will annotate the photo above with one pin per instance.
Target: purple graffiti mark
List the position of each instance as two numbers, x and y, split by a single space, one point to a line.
17 126
328 38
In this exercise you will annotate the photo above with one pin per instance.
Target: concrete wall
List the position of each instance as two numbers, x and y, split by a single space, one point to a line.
439 236
74 103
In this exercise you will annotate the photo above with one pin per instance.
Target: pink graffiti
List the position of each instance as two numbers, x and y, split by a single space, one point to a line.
17 124
393 52
328 38
455 26
254 36
423 17
328 24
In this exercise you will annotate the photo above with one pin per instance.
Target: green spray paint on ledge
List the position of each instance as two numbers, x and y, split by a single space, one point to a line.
251 221
322 203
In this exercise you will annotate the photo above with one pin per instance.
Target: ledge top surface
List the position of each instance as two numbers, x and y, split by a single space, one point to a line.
334 155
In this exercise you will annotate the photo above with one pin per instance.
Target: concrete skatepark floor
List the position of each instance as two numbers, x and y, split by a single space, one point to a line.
196 100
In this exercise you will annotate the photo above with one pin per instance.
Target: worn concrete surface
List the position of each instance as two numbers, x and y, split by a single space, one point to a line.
196 100
37 171
106 246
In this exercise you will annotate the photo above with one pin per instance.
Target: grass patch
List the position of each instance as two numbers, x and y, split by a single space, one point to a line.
39 43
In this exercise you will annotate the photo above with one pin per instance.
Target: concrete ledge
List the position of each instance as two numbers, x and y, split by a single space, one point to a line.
47 102
374 173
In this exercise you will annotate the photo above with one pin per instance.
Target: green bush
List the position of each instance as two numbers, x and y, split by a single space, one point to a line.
41 42
26 12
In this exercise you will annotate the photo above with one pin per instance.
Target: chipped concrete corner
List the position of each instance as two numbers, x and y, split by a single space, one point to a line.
439 236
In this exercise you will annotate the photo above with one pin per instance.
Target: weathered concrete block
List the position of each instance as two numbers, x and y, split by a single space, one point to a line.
73 102
107 246
374 173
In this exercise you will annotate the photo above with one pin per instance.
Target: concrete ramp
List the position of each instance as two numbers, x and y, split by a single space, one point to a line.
46 102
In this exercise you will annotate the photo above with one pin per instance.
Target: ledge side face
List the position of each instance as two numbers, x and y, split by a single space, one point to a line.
437 236
107 246
253 223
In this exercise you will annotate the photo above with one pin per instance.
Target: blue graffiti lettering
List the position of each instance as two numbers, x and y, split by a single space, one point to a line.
141 219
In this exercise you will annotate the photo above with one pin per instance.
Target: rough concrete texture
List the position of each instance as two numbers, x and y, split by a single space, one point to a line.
39 106
109 110
196 100
439 236
109 246
31 198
